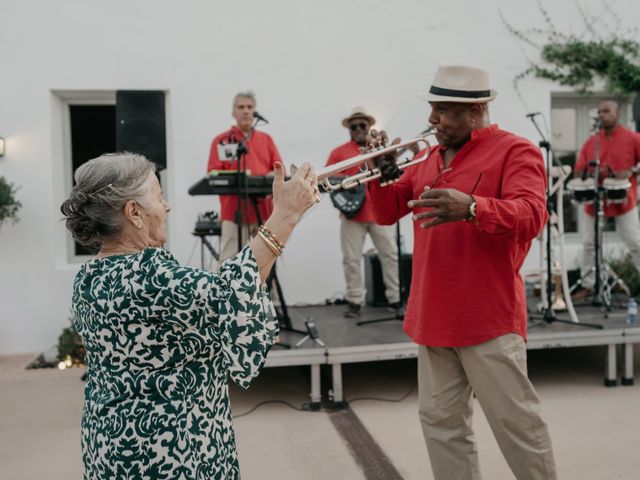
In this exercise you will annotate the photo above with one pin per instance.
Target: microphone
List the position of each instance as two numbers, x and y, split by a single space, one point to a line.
532 114
260 117
597 124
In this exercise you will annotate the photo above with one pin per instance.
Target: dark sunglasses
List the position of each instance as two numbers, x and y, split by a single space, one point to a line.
355 126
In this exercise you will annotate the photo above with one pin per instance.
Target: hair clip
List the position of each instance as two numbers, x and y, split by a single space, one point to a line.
101 189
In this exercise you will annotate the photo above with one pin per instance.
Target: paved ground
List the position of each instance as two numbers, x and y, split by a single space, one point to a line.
595 430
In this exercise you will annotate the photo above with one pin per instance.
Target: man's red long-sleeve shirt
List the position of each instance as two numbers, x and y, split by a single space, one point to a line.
261 158
619 151
466 286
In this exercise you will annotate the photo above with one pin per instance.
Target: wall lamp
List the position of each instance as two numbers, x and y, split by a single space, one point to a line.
1 147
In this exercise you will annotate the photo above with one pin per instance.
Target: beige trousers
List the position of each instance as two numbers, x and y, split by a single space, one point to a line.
627 226
229 238
352 237
229 246
496 371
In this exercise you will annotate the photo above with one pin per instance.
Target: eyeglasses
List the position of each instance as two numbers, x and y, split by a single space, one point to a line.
440 175
355 126
447 170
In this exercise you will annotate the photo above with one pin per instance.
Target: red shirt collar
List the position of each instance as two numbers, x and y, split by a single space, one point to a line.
484 132
479 134
617 129
236 132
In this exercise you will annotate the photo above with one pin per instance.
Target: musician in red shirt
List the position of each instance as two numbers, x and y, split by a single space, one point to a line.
260 159
619 154
477 202
353 229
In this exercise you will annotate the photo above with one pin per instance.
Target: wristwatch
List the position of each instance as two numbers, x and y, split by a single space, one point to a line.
471 213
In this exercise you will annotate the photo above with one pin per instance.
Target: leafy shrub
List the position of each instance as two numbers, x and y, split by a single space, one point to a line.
9 206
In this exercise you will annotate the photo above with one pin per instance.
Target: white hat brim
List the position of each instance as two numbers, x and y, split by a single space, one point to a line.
430 97
364 116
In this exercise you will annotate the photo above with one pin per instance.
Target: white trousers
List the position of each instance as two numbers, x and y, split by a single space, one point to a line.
352 237
627 226
496 371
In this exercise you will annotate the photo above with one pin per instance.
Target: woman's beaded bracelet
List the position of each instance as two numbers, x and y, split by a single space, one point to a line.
277 251
269 234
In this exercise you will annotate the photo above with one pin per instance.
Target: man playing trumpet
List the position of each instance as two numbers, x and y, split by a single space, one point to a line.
477 202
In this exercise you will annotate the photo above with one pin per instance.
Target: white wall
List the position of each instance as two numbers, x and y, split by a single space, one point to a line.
309 63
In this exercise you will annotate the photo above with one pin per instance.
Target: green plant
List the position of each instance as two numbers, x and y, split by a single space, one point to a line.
9 206
624 267
578 60
70 348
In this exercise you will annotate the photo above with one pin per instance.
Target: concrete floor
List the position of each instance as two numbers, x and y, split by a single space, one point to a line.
595 430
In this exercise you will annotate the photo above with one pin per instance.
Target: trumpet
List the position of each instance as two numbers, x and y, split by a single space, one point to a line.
368 174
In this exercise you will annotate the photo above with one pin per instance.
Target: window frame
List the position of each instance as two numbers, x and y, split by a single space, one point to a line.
582 105
63 99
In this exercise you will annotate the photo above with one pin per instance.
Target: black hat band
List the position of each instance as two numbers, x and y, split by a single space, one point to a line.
446 92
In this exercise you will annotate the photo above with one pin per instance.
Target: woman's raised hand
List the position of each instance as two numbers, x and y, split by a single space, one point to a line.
293 197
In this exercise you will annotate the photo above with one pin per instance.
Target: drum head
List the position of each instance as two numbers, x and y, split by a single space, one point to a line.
616 189
584 190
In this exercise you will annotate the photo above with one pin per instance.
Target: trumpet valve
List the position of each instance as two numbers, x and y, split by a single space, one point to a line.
384 183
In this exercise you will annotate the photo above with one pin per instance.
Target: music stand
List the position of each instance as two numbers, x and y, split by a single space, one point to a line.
399 315
548 315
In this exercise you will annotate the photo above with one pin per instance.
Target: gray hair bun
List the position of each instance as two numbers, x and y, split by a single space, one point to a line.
94 209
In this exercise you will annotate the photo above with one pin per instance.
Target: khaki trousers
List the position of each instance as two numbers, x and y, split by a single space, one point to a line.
352 237
229 246
627 226
229 238
496 371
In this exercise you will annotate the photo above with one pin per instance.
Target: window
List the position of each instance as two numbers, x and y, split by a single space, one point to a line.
83 128
93 132
86 125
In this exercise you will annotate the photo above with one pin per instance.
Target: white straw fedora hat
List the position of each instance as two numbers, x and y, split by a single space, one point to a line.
460 83
358 112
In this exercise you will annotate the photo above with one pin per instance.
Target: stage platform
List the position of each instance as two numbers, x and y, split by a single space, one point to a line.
347 342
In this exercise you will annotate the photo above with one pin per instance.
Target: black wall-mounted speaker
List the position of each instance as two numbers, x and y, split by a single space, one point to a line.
140 124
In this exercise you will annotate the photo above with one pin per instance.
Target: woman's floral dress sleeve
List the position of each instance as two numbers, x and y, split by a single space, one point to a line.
247 324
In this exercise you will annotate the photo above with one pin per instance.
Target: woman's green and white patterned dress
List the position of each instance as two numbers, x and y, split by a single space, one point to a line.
161 340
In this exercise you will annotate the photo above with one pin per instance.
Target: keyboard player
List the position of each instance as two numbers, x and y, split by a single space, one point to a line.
260 159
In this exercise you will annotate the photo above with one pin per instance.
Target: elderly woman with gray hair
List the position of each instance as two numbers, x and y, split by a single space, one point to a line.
162 338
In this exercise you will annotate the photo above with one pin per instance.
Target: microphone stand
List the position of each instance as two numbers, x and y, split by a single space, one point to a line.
242 191
401 286
597 287
548 315
402 303
601 270
241 180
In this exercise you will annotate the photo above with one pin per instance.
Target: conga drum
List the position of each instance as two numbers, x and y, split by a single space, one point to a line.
616 189
583 189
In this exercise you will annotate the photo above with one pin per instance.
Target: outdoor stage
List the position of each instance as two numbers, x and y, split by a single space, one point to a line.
346 342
